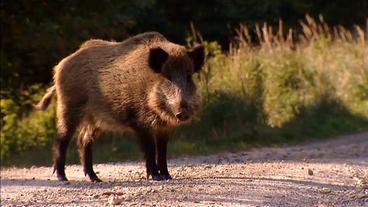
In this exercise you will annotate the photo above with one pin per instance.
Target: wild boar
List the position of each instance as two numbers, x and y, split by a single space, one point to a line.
143 84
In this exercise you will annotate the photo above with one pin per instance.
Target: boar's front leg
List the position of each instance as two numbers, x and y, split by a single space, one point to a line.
161 145
147 144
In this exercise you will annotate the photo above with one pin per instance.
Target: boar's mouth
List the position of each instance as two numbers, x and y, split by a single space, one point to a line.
182 116
186 113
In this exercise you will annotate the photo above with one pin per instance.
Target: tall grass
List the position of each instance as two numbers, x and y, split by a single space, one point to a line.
274 86
283 74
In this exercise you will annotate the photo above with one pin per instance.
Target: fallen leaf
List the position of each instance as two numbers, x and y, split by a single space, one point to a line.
324 190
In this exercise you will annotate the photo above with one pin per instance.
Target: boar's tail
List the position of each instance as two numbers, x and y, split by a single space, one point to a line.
46 99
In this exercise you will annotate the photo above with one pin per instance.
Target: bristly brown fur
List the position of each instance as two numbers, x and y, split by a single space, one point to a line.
113 86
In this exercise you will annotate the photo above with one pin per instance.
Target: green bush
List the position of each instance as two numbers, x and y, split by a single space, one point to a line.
21 131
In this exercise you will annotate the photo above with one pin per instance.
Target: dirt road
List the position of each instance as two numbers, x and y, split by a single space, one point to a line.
329 173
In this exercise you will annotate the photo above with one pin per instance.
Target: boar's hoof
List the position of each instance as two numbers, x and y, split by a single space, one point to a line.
62 178
166 176
157 177
95 179
160 177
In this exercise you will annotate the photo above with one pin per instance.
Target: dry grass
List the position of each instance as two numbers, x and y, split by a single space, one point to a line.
283 73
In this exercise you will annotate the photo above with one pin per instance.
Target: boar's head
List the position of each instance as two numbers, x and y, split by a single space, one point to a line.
174 97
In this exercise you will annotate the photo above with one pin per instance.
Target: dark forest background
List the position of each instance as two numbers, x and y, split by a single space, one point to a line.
36 34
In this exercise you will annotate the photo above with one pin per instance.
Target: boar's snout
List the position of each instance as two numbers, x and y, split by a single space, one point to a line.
182 116
184 113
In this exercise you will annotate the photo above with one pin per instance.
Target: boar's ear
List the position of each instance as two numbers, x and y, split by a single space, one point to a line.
157 57
197 55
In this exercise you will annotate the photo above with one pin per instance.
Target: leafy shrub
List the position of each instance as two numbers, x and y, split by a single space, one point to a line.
20 130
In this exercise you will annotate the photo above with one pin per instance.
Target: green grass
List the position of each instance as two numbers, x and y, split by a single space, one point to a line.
267 91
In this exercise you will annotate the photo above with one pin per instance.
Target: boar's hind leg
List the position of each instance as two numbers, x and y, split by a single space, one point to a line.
85 142
161 145
147 143
66 127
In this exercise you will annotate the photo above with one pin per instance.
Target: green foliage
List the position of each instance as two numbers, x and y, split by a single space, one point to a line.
21 131
287 87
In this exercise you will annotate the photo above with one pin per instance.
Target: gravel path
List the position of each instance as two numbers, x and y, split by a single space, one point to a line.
329 173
